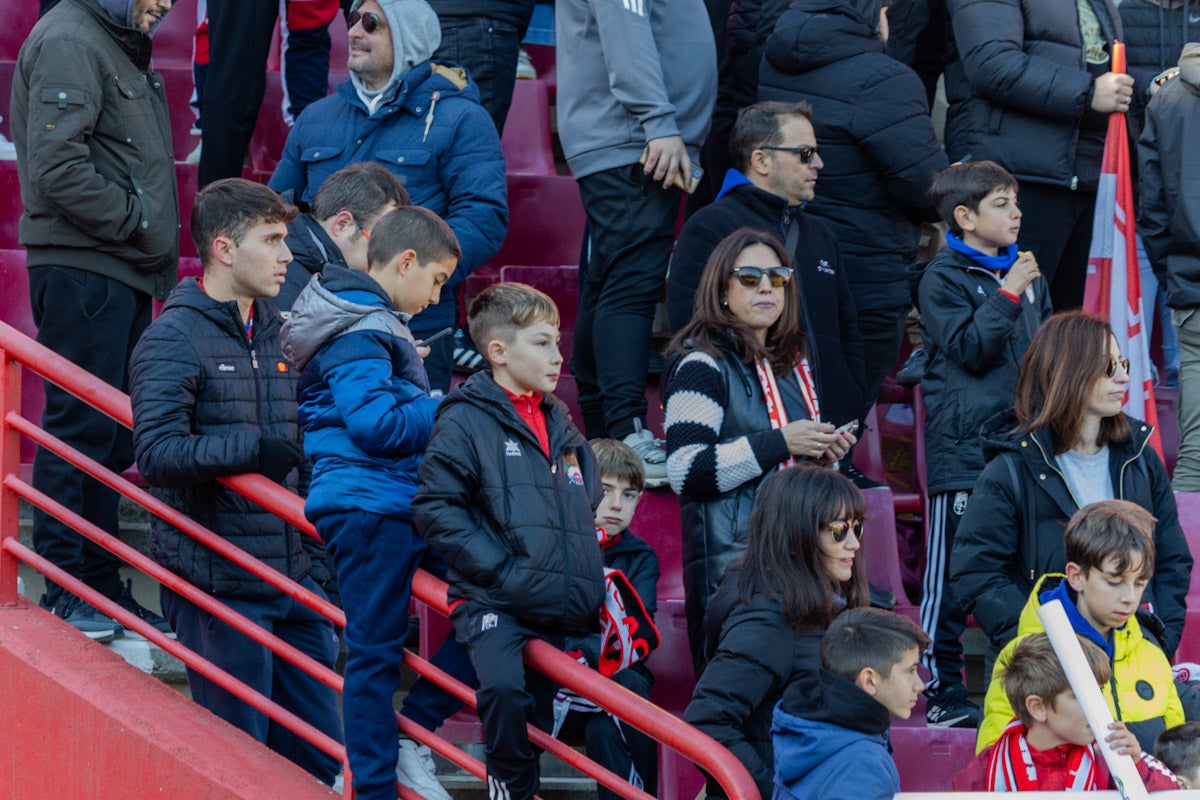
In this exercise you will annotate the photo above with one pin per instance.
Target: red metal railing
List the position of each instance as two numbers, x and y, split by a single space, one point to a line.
17 351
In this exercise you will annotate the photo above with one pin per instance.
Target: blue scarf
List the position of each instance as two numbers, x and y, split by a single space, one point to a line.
1082 627
1002 262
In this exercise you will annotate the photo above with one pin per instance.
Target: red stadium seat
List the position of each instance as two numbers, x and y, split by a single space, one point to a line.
562 284
174 36
19 16
7 70
543 57
10 204
929 758
545 222
526 140
1189 519
15 311
881 551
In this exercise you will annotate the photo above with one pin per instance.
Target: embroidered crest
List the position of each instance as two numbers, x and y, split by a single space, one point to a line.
960 503
489 621
512 448
823 266
574 473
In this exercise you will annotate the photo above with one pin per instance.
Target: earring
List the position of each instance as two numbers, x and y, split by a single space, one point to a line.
725 302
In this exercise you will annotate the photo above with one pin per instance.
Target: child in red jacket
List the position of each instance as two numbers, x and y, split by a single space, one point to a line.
1049 746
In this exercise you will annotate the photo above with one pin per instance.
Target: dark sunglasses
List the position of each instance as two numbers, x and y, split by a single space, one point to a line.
1113 362
751 277
370 21
805 154
840 528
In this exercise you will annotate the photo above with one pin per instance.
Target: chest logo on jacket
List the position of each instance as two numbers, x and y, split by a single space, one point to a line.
823 266
574 473
226 368
512 448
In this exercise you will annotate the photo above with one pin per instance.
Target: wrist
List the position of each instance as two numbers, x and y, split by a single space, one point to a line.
1016 298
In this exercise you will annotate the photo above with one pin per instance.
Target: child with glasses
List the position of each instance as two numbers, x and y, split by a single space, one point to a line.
981 301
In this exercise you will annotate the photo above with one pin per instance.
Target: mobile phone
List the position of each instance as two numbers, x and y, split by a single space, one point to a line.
693 182
849 427
442 334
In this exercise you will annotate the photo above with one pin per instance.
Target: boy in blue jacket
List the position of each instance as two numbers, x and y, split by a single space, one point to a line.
508 492
831 732
981 302
368 415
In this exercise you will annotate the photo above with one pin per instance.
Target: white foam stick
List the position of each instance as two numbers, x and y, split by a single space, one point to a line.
1087 692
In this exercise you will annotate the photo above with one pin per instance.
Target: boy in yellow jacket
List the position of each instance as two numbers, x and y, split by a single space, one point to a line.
1110 559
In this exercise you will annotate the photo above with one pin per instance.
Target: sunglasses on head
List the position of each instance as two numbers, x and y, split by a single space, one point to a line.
805 154
370 21
1114 362
840 528
751 277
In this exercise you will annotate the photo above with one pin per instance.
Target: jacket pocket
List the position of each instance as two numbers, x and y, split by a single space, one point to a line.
413 166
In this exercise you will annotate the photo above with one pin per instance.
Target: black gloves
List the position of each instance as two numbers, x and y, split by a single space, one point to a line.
278 456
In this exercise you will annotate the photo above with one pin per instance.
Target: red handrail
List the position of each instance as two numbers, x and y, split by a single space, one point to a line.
17 350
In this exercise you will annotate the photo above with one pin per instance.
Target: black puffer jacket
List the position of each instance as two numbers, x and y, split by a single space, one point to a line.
517 530
975 338
830 319
755 655
311 250
203 398
1155 33
1012 533
1019 89
877 142
1169 212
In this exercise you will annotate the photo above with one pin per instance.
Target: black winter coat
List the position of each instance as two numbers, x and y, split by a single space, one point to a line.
1011 534
1155 33
1169 208
311 250
1019 89
517 530
830 319
755 655
872 123
203 397
975 338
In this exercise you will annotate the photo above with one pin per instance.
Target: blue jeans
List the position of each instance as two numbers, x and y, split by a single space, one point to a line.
261 670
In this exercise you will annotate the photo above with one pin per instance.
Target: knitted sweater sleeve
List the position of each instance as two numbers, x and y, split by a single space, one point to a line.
703 461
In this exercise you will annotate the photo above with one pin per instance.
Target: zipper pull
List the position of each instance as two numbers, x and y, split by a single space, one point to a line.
253 358
429 117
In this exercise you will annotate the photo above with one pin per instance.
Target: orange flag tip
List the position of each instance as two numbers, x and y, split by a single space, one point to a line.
1118 56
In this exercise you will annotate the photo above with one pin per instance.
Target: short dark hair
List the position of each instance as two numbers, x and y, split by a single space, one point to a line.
502 309
1111 529
230 207
966 185
411 228
761 125
1034 669
1179 748
869 637
615 459
362 188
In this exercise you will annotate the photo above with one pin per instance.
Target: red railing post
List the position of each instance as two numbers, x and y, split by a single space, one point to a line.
10 463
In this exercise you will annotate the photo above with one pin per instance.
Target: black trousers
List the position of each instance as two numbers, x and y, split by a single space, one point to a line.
631 223
488 49
942 615
94 322
1056 225
509 696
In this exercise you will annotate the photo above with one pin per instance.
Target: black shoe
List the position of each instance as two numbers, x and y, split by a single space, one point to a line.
857 477
127 602
913 369
950 708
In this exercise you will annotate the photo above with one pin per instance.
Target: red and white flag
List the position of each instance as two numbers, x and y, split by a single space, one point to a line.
1113 288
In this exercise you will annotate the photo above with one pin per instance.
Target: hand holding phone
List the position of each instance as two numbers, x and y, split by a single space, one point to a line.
437 337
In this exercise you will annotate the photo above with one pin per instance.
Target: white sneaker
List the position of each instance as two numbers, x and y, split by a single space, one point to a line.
525 68
415 769
652 453
194 156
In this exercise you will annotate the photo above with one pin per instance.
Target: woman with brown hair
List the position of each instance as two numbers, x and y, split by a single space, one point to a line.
740 402
1071 445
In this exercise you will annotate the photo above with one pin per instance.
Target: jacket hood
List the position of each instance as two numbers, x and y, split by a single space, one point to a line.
328 306
416 34
822 716
1189 66
814 33
121 13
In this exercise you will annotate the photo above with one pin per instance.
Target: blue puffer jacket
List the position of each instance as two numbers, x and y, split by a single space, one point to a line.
435 137
364 397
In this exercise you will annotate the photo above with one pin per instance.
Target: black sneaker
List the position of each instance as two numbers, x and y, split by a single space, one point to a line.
950 708
86 618
127 602
467 360
913 369
858 478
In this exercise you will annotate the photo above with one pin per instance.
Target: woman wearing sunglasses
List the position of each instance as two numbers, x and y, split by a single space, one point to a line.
740 402
799 570
1069 445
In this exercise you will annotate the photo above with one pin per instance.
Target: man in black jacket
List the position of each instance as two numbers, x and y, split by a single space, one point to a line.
338 226
101 232
767 189
213 396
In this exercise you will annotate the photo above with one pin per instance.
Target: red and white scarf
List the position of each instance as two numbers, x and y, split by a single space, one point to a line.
1011 767
775 410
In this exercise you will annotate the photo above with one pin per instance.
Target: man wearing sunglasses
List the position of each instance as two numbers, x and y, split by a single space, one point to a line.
101 232
872 123
776 165
423 121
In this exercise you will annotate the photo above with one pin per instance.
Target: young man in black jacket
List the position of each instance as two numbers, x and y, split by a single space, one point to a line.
507 495
213 396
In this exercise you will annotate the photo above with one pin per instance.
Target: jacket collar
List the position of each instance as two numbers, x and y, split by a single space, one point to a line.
224 315
482 390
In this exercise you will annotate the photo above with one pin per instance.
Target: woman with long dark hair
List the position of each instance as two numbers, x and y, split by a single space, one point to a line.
799 570
741 402
1069 445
